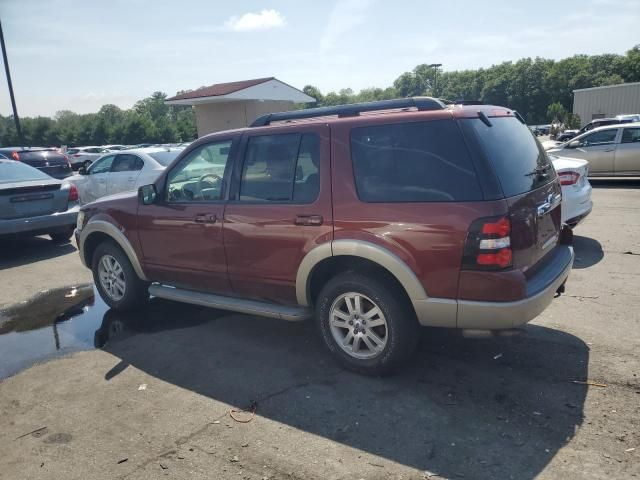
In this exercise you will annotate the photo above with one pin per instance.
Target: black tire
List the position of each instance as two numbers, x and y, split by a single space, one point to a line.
402 329
62 236
136 291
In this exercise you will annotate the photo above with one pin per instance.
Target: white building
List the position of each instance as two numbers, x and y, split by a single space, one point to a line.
607 101
236 104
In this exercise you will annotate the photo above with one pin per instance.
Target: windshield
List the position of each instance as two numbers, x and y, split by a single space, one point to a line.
516 156
165 158
11 172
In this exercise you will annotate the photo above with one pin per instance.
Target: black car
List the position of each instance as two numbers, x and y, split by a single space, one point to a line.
47 160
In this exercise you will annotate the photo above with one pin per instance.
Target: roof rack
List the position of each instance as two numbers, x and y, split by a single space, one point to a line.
352 110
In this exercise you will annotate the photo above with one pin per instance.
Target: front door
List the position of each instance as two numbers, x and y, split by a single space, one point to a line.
281 209
124 173
628 152
598 148
96 184
181 234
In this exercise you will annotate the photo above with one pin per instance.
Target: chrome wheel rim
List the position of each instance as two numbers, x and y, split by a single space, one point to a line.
111 277
358 325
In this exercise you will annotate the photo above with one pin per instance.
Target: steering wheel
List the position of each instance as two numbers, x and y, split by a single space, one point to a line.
203 178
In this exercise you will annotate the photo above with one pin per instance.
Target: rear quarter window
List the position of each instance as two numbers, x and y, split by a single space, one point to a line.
516 157
413 162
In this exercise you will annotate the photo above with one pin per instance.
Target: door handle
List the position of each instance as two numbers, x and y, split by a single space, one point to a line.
212 218
132 179
611 150
309 220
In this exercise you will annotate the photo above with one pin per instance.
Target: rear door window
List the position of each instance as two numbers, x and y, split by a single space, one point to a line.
517 158
413 162
631 135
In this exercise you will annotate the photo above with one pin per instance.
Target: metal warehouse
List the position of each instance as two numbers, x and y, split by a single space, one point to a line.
607 101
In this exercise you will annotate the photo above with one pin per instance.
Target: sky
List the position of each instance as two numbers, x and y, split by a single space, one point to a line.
81 54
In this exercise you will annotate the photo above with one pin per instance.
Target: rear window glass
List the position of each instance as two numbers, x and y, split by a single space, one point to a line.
165 158
413 162
517 158
19 172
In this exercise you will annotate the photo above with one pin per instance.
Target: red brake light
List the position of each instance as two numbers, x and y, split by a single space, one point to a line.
76 155
488 245
15 156
73 193
501 228
569 178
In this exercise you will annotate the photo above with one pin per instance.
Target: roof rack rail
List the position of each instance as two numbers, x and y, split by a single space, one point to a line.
352 110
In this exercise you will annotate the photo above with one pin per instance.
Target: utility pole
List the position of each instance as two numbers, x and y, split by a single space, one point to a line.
435 66
13 99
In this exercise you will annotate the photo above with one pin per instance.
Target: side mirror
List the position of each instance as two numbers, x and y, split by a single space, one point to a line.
147 194
83 171
574 144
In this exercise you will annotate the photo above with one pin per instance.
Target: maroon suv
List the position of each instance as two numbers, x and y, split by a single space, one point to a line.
373 218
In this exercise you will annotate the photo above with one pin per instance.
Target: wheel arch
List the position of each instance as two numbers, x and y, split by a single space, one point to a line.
97 231
372 254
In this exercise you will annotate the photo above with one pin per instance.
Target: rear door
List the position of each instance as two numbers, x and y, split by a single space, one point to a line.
125 171
96 184
528 181
280 209
598 148
627 158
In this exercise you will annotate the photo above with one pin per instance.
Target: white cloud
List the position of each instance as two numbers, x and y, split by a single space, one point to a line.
256 21
345 16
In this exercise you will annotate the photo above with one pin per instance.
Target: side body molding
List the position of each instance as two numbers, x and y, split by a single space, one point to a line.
437 312
112 231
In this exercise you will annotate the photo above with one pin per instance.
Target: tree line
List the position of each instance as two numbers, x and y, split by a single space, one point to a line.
540 89
149 121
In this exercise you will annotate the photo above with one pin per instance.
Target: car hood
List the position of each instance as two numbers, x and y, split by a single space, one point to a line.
564 163
113 198
550 144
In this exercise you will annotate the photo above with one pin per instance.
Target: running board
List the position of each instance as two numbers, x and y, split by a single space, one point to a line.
250 307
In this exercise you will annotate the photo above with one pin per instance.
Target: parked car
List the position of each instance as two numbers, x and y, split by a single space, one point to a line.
84 156
122 171
416 213
47 160
113 148
33 203
566 135
629 117
603 122
576 190
610 151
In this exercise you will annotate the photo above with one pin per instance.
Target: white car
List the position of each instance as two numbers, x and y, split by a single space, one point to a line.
576 189
84 156
122 171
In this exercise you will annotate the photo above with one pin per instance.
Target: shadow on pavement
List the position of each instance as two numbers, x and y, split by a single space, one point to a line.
18 251
588 251
615 182
472 408
498 407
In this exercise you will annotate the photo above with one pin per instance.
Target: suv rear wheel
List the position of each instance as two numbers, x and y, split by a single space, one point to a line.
365 324
115 278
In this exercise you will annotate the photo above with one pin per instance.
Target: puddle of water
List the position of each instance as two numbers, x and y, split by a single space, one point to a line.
62 321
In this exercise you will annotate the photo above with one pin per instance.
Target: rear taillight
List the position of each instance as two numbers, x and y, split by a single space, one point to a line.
488 245
76 155
568 178
15 156
73 193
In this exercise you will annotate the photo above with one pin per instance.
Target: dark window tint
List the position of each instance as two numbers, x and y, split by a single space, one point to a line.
631 135
281 168
603 137
127 163
413 162
518 159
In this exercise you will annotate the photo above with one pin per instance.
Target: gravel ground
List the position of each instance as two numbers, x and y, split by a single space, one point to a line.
154 401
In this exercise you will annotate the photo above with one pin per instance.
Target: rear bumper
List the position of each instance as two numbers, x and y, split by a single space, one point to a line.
41 224
541 289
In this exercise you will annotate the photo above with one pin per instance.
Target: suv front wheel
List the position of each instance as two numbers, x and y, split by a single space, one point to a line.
115 278
365 324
